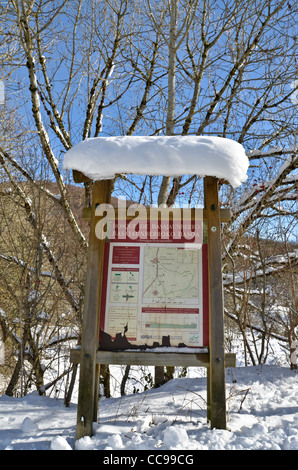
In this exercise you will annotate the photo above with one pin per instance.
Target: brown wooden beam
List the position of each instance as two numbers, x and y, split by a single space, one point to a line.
216 376
89 373
79 177
149 358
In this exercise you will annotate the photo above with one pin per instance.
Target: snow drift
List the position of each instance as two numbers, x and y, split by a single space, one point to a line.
262 406
104 157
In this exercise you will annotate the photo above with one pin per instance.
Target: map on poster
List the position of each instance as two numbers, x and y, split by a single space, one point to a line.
170 274
155 290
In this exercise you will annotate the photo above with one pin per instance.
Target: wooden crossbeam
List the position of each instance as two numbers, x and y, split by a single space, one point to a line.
148 358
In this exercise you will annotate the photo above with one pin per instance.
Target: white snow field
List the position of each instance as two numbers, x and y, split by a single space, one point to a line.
261 403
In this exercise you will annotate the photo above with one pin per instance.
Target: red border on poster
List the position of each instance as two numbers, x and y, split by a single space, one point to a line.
127 254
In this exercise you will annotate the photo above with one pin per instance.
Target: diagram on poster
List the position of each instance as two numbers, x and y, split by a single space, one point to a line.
124 285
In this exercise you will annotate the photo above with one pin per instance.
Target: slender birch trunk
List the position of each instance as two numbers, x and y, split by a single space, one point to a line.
164 188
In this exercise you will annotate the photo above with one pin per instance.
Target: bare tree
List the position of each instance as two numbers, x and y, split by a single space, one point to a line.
79 69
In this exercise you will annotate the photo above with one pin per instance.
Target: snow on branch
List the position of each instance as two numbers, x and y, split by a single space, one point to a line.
42 132
256 327
44 245
273 265
255 205
15 164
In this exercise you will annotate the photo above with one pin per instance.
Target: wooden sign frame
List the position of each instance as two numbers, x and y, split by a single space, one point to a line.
171 243
90 357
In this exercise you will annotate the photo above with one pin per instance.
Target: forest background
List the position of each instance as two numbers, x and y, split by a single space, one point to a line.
75 69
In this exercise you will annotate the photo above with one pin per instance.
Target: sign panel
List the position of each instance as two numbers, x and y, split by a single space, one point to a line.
155 293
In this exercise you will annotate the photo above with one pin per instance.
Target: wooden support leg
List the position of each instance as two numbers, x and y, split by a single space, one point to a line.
208 396
217 388
89 373
96 392
159 375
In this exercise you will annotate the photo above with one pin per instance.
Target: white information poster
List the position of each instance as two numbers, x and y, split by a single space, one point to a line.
155 290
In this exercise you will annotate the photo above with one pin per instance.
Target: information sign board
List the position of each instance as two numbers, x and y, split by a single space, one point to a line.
155 288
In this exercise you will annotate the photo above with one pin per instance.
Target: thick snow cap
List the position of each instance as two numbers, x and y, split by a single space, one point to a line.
104 157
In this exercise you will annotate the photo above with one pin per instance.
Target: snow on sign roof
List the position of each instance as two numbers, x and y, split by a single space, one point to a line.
104 157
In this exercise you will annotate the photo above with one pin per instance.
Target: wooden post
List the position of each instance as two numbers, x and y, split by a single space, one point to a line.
208 395
89 371
159 375
216 372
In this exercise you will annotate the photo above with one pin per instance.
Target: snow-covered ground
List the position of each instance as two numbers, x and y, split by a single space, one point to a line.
262 404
